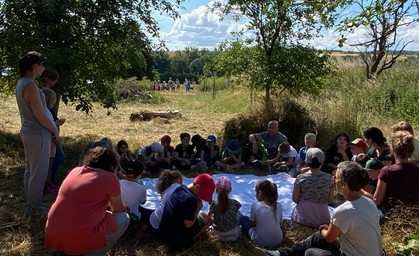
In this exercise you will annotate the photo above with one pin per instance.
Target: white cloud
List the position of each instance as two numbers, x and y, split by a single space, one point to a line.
200 29
404 35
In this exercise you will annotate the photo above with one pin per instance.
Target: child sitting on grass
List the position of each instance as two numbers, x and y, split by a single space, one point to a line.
301 166
210 155
225 212
231 157
184 153
286 158
264 224
133 192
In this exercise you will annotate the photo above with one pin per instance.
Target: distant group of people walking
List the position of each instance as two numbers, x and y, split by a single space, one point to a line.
170 85
98 199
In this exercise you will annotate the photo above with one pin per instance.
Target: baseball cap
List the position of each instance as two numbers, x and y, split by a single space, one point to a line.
314 152
156 147
207 186
223 182
359 143
233 146
100 143
211 138
374 164
166 138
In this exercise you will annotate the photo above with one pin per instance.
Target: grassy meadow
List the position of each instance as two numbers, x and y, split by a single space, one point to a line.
348 103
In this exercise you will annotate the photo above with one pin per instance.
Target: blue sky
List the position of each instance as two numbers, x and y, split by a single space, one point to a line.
199 28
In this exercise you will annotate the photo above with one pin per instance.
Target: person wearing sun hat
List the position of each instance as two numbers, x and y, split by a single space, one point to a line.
181 221
147 156
231 157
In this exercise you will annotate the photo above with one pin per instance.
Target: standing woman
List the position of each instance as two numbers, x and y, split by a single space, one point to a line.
379 148
36 132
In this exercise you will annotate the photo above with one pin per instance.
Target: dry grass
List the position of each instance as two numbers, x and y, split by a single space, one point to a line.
22 236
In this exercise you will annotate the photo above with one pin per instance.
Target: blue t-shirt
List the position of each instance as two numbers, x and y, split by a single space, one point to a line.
302 154
272 143
179 207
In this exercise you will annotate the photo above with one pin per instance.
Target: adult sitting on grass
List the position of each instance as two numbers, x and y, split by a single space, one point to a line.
379 148
355 222
337 153
269 150
399 181
181 222
405 126
79 222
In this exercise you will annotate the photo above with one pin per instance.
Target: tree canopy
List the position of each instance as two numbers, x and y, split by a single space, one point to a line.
280 61
89 42
381 22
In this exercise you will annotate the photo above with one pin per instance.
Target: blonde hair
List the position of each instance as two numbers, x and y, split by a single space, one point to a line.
403 126
50 97
402 144
167 178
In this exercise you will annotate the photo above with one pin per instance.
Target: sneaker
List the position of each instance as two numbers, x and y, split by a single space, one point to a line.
222 168
261 252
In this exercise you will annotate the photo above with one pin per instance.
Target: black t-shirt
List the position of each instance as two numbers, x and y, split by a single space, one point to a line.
187 153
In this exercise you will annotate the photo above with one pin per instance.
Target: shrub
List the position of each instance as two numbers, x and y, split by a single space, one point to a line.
288 112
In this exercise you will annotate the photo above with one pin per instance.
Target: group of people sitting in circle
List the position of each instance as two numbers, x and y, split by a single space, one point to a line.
369 181
98 199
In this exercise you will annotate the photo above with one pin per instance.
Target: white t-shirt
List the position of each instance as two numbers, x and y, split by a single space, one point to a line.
132 194
267 231
147 158
358 221
155 217
293 153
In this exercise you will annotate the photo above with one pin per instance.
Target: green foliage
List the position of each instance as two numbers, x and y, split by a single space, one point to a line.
206 84
396 94
382 21
277 61
133 89
84 41
409 246
284 109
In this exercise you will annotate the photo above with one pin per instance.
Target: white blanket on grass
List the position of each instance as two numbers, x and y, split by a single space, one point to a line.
243 190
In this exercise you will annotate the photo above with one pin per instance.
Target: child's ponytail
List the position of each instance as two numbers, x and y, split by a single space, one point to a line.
167 178
223 202
270 194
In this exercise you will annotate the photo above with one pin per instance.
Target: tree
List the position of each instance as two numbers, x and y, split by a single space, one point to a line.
89 42
278 26
382 21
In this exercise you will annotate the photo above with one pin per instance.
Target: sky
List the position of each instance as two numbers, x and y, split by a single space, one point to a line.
199 28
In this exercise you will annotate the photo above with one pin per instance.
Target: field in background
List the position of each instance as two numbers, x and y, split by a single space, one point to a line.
349 103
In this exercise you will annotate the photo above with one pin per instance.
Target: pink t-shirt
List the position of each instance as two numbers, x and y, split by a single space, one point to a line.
78 220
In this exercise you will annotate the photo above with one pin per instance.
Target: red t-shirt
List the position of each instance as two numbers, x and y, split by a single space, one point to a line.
402 181
78 221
